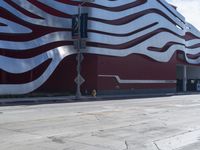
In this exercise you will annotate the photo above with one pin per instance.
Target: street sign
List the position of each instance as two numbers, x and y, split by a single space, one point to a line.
83 26
79 79
75 26
84 19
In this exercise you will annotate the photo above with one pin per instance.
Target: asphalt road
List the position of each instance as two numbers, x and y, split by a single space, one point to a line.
165 123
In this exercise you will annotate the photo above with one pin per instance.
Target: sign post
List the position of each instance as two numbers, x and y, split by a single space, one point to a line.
79 32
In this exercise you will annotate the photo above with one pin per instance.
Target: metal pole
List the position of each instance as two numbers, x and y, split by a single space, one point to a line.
79 79
78 90
184 78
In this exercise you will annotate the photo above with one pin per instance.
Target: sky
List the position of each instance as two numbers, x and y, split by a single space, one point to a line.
190 9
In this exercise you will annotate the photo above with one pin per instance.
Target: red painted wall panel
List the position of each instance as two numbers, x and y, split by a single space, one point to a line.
62 80
134 67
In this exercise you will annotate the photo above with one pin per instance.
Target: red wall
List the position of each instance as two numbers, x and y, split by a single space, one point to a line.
62 80
135 67
132 67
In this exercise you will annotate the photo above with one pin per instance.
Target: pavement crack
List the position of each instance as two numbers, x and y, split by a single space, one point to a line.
97 118
156 146
56 140
126 144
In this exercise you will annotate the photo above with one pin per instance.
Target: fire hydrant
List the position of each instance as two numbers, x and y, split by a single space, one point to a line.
94 93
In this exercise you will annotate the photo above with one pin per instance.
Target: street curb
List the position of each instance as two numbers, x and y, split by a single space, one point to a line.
68 99
72 99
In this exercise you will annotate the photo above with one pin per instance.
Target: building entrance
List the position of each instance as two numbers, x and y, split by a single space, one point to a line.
188 78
